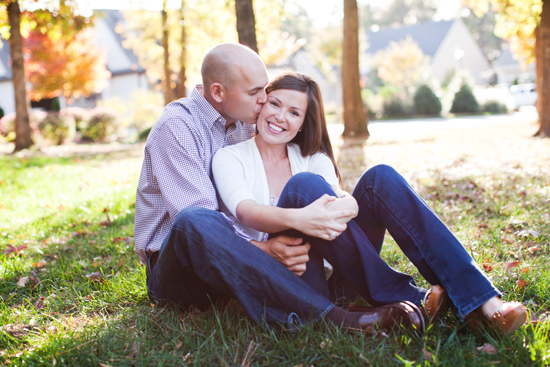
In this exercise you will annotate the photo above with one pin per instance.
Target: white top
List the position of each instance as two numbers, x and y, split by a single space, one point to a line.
239 175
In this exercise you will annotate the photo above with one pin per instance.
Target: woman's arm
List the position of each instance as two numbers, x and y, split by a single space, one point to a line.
315 220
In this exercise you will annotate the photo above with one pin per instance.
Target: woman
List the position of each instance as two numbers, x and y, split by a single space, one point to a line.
286 175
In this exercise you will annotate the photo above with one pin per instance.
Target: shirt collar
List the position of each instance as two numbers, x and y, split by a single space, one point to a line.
210 113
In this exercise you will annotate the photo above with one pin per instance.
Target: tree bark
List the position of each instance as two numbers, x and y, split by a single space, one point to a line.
355 116
181 92
246 24
168 93
542 56
23 138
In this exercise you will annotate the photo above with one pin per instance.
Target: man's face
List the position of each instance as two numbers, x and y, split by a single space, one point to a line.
245 100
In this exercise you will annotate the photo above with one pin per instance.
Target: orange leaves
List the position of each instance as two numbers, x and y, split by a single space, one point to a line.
128 240
486 266
511 265
521 283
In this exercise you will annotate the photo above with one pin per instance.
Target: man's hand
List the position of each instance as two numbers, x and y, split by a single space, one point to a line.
289 251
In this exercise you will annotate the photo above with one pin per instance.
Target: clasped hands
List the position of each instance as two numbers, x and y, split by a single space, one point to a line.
325 218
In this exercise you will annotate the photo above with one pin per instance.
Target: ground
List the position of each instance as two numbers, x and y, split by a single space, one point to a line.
73 293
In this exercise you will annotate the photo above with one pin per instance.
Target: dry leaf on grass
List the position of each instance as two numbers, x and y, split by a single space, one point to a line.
104 365
487 348
179 344
510 265
133 350
39 303
96 277
22 281
522 283
13 250
40 264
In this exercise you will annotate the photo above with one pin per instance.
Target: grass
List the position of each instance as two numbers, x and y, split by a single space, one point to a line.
85 301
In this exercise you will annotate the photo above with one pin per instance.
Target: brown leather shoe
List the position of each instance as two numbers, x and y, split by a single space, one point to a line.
505 324
391 316
436 302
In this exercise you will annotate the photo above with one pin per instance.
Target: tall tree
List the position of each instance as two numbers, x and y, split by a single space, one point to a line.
168 93
23 138
246 23
526 23
181 92
355 115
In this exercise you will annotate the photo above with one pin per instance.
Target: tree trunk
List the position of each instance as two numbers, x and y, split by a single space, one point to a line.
168 94
542 56
246 24
355 116
23 138
181 92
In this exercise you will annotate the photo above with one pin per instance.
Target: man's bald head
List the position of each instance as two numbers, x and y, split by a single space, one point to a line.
226 63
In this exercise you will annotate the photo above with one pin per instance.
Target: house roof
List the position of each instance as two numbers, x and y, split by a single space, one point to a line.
5 67
428 36
119 59
506 58
112 18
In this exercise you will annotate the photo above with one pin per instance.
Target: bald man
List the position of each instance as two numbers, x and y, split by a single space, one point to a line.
194 254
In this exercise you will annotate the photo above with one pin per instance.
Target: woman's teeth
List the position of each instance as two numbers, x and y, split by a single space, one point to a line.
274 127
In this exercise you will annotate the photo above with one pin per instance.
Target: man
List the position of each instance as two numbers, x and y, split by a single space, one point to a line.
194 254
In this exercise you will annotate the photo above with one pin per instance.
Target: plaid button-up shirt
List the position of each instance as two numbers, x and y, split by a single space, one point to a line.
176 171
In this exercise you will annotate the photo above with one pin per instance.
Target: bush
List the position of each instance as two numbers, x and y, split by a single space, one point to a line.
495 107
464 101
394 108
1 112
54 128
56 106
79 114
426 102
101 125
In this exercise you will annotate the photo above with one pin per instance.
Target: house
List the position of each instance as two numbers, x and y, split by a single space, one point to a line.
449 44
127 75
509 69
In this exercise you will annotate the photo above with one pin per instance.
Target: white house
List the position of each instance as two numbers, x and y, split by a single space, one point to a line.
509 69
127 75
449 44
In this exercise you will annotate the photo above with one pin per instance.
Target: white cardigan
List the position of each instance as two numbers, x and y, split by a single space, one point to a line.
239 175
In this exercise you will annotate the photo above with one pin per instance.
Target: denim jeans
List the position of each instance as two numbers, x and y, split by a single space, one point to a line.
203 260
387 202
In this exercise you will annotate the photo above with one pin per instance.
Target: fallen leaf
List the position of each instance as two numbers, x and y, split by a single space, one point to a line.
188 358
104 365
510 265
179 344
15 250
533 249
482 225
105 224
79 233
525 270
22 281
522 283
133 350
35 280
39 303
428 355
487 267
40 264
96 277
487 348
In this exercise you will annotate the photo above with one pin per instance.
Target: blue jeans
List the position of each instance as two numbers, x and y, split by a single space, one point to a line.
202 260
387 202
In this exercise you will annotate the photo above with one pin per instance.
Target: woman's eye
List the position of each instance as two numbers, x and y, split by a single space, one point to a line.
274 104
294 113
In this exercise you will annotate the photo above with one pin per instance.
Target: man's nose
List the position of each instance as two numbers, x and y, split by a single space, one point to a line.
262 97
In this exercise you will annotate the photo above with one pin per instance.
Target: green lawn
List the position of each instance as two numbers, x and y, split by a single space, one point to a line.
84 301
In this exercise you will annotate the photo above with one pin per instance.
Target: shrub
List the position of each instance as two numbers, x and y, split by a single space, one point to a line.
56 106
1 112
394 108
426 102
54 128
464 101
495 107
101 125
79 114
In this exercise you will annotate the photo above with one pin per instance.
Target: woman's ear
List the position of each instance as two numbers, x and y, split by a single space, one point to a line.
217 92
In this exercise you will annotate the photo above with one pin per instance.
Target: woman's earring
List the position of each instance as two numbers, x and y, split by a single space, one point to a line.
299 130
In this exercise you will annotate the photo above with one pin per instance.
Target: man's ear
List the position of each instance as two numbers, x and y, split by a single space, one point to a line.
217 91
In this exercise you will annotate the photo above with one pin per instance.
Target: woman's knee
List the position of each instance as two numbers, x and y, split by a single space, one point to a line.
381 172
305 187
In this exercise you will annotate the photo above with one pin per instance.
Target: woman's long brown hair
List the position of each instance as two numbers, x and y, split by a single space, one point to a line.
314 135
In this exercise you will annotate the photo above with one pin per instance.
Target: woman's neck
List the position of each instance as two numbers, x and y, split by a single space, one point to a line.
271 152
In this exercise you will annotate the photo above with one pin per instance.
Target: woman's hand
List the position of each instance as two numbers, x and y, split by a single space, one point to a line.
289 251
318 220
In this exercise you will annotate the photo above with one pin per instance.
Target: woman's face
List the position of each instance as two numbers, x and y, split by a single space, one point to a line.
282 116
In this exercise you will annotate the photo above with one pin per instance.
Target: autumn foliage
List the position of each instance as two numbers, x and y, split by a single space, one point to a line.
71 66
